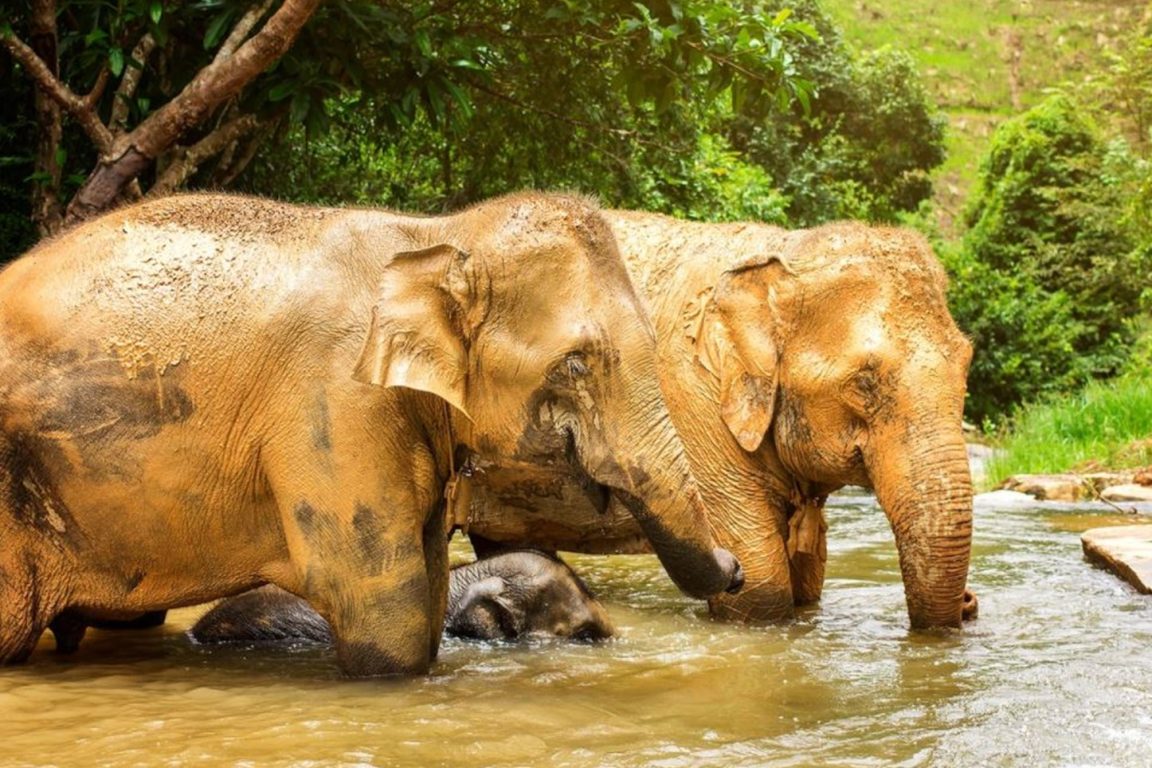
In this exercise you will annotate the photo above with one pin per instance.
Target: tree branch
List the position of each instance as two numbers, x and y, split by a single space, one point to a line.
74 105
189 160
133 152
94 95
118 122
241 31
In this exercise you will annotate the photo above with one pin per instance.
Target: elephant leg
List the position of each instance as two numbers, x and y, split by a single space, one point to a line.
436 568
22 617
68 628
25 609
759 544
356 543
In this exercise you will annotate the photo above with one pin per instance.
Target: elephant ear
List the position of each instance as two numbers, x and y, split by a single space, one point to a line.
737 343
484 607
421 325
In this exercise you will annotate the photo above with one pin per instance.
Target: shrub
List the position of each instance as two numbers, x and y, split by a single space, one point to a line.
1051 274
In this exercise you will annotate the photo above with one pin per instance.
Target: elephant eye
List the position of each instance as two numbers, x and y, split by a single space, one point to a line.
864 391
577 363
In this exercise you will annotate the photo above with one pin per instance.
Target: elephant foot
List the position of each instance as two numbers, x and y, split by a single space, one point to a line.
765 602
971 609
68 628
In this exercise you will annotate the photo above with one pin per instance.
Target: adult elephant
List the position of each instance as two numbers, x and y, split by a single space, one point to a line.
205 393
793 363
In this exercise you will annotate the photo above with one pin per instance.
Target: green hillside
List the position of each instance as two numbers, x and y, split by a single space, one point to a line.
985 60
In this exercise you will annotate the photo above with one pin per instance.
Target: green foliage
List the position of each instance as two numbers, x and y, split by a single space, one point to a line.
1050 275
1108 423
17 232
867 144
587 80
655 123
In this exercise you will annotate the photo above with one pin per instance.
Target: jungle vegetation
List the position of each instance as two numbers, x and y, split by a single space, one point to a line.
1016 137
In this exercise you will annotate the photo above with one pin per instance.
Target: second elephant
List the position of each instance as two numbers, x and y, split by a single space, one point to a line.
793 363
510 596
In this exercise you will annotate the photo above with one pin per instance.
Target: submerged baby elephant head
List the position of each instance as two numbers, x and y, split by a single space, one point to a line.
516 594
520 594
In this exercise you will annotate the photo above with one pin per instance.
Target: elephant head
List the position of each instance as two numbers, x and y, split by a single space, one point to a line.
838 363
520 594
521 317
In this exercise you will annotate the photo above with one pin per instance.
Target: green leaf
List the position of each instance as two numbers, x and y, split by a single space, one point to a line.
215 31
155 11
116 61
424 43
300 107
61 157
281 91
461 98
467 64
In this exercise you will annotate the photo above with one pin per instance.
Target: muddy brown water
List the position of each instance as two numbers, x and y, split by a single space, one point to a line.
1056 671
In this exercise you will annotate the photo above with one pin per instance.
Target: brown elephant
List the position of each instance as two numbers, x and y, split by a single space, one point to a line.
202 394
793 363
511 596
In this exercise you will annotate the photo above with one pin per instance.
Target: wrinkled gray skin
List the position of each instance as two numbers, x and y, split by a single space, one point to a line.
507 597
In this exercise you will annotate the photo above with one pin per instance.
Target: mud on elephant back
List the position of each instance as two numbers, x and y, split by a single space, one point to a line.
793 363
203 393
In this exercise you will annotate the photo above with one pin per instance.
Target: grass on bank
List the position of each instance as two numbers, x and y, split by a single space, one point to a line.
1106 426
973 55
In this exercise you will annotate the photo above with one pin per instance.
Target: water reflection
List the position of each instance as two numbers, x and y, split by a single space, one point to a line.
1055 672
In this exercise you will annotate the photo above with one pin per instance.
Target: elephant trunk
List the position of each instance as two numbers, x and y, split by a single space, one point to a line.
922 481
649 475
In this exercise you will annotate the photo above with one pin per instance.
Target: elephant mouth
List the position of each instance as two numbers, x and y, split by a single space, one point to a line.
598 494
540 471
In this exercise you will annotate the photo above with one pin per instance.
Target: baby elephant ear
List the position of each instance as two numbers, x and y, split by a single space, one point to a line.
416 336
485 610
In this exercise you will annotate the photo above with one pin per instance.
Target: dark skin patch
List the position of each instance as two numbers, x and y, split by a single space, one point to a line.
320 425
93 399
370 546
134 580
305 517
792 421
639 476
33 501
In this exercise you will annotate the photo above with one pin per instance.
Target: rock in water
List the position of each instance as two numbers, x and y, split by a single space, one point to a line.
1126 550
1127 492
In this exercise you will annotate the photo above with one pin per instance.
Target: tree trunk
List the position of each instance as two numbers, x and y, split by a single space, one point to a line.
47 210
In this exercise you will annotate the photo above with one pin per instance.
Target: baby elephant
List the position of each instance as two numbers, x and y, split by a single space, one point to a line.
516 594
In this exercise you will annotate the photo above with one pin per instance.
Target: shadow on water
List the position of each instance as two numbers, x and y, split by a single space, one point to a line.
1055 672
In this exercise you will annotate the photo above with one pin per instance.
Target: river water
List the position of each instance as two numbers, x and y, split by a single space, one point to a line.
1057 671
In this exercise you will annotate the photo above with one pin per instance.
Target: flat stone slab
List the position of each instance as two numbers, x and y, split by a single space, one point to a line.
1126 550
1127 492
